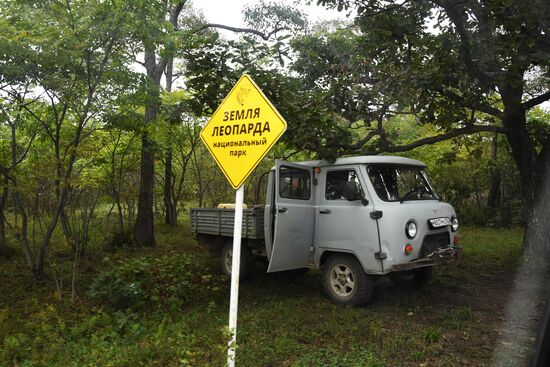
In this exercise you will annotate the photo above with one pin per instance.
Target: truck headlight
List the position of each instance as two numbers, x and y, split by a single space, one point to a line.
410 229
454 224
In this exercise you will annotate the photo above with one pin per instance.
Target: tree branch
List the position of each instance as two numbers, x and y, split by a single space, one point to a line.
465 47
359 144
139 62
6 173
482 107
24 155
263 35
290 155
438 138
536 101
174 15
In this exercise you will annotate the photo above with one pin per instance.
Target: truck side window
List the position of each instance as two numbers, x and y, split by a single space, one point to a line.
336 183
294 183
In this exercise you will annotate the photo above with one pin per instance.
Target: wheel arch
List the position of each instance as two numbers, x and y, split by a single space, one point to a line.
327 253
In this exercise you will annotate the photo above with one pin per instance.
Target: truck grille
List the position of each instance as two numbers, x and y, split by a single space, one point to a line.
434 241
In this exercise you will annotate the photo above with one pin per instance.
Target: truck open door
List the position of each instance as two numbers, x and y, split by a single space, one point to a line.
294 217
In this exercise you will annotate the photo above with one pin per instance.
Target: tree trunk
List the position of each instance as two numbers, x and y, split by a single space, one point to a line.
3 243
169 203
23 234
536 244
523 151
144 234
19 208
120 214
49 232
534 179
145 221
493 199
67 230
3 201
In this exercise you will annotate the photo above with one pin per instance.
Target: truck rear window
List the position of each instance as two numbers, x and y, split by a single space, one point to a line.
336 183
294 183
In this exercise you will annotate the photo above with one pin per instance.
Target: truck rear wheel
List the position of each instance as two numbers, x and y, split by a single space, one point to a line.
247 260
345 282
412 280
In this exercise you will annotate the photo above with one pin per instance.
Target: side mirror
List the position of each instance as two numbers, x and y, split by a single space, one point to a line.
352 192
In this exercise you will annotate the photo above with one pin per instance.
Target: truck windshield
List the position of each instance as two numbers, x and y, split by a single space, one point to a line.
400 183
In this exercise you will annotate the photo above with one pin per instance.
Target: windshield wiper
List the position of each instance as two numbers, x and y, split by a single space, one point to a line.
411 191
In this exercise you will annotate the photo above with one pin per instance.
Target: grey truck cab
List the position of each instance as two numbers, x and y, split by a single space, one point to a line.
356 219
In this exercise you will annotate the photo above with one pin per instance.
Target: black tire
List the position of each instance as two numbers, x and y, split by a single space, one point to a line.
297 272
247 260
412 280
345 282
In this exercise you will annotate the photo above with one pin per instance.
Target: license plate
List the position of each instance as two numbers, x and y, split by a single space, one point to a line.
439 222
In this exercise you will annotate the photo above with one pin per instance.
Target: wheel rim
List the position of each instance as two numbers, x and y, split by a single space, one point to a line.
228 260
342 280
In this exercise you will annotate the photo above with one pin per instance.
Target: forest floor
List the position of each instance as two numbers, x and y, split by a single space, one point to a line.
284 319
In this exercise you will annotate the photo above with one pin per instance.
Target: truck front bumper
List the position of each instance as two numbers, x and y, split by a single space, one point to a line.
439 256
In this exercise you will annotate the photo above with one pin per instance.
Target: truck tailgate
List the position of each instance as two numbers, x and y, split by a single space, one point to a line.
216 221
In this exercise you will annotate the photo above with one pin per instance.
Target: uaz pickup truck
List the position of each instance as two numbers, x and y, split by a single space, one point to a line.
355 219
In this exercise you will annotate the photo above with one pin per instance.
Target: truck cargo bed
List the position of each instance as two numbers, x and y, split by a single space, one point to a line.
216 221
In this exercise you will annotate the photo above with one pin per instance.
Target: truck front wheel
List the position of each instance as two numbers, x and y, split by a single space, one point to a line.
345 282
247 260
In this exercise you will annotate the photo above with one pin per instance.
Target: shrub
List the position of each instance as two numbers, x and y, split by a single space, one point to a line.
167 281
14 348
118 240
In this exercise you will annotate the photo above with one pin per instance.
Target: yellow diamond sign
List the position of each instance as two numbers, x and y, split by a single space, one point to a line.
242 130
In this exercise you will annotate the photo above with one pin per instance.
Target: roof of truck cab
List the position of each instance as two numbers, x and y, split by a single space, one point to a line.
366 159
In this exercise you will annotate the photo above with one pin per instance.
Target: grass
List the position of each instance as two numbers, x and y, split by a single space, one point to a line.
284 320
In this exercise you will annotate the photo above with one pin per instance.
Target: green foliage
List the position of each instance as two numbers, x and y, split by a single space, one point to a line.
491 247
432 335
66 65
16 347
461 170
154 282
462 67
118 240
36 329
539 126
329 357
456 319
275 17
101 338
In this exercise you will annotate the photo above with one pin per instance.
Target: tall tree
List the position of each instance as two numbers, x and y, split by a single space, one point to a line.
170 215
156 29
159 36
71 56
467 66
189 19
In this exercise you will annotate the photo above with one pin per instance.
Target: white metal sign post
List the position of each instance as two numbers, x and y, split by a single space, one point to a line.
238 135
235 270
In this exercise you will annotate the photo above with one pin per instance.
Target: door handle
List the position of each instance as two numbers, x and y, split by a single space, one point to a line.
325 211
282 210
